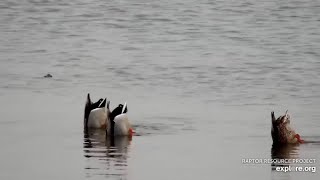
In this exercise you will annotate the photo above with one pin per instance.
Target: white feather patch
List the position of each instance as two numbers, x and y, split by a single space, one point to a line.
124 107
97 118
122 125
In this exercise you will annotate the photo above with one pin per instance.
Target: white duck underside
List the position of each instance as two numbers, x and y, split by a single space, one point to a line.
97 118
121 125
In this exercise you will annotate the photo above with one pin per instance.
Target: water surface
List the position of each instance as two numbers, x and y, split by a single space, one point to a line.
200 78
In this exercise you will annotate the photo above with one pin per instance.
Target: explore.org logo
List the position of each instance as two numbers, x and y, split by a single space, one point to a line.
285 165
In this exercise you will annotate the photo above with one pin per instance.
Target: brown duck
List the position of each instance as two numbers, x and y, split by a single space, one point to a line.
282 132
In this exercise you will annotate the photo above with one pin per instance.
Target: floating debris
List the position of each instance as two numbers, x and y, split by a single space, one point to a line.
48 76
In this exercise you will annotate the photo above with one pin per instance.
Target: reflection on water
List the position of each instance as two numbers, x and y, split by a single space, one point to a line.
281 152
205 69
105 156
288 151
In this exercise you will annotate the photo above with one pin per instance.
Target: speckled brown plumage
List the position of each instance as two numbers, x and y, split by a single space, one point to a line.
282 132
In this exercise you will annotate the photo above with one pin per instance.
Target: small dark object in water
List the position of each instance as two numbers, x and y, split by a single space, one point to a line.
48 76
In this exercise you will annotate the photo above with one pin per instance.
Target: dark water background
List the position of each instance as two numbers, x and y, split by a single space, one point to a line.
200 78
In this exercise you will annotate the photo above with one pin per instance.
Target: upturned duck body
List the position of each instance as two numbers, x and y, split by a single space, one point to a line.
282 132
119 124
96 114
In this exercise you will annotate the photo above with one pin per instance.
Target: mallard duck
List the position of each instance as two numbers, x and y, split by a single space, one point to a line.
96 114
118 124
282 132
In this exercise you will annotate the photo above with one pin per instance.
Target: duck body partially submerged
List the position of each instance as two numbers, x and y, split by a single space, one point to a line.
119 124
98 115
282 132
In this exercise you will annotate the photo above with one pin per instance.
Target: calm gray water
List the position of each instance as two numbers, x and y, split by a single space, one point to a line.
200 78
